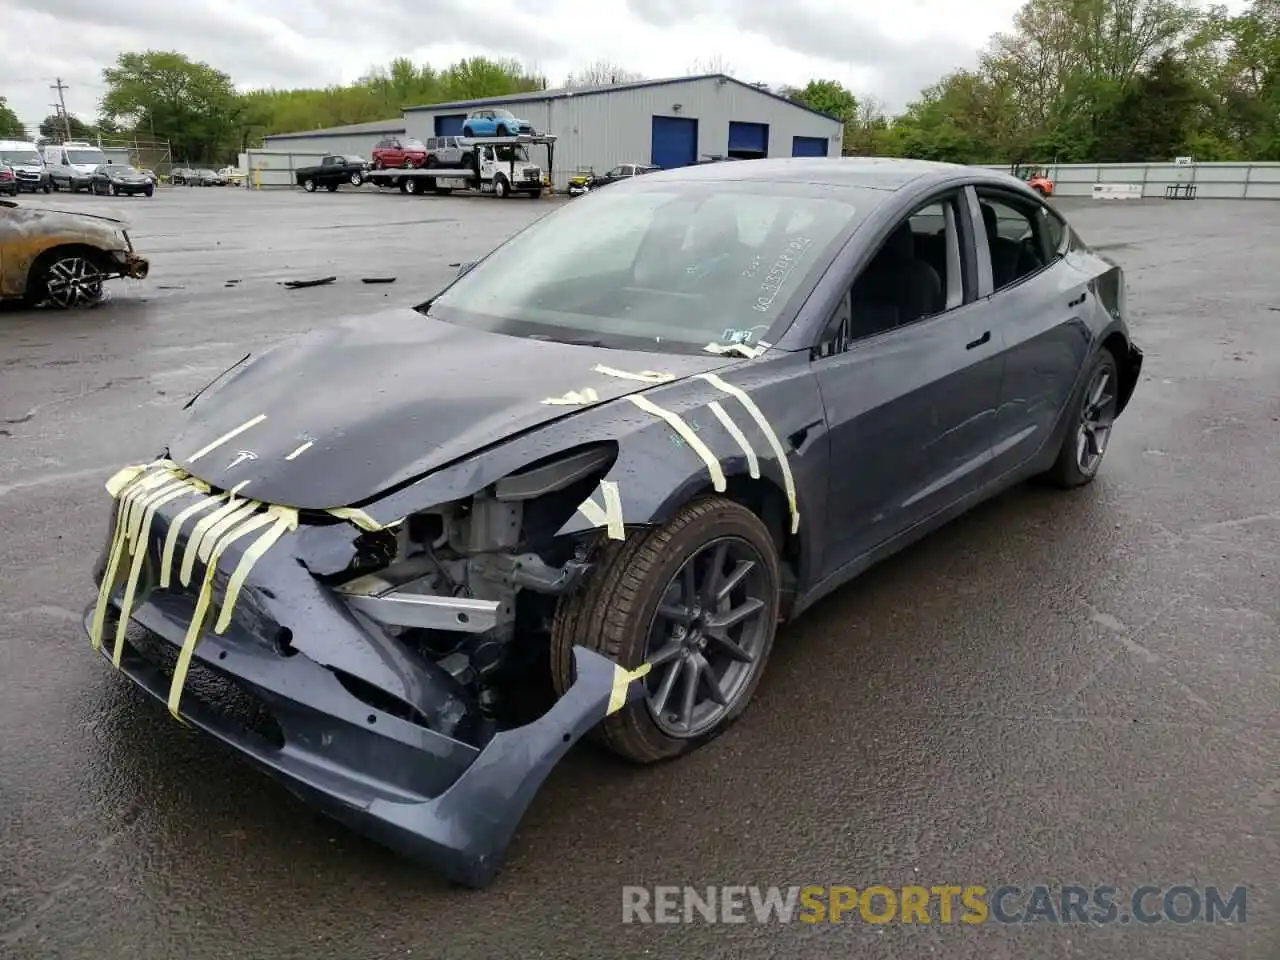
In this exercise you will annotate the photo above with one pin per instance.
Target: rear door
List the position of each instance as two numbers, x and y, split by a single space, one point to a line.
1039 303
910 399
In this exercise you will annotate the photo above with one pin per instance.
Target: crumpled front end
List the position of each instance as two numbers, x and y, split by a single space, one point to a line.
318 646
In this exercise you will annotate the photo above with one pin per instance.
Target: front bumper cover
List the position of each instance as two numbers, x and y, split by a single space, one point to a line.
132 265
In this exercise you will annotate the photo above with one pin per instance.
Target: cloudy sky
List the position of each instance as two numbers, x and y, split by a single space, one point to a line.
888 49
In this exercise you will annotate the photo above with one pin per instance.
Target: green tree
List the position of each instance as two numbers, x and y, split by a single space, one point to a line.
827 96
52 127
10 126
192 105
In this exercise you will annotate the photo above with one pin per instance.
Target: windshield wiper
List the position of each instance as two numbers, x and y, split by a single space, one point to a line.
577 342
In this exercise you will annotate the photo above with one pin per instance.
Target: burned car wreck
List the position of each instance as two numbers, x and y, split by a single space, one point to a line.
606 468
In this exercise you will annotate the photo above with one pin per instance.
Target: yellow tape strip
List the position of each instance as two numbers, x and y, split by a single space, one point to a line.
171 539
246 509
772 437
362 519
141 540
123 477
109 576
644 376
687 434
196 627
574 398
613 510
621 681
726 421
285 519
229 435
301 450
610 515
201 529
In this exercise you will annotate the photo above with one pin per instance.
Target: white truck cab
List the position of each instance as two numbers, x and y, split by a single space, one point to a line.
71 164
506 169
23 158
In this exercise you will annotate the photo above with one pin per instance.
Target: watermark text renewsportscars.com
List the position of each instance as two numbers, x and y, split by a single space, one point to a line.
942 904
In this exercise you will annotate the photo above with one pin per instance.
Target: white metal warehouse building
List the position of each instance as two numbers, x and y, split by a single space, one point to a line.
669 123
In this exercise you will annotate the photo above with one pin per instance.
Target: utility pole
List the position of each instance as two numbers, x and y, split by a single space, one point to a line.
66 118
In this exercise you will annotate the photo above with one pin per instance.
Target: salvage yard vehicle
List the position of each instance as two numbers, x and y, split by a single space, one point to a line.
448 152
23 158
60 257
498 165
623 171
398 153
657 422
120 180
1034 176
8 180
71 164
490 122
331 172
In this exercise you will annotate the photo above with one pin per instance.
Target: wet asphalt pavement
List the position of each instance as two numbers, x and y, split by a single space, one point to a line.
1056 689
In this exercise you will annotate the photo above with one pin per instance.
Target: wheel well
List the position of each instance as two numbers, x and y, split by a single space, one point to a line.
1118 347
767 501
83 249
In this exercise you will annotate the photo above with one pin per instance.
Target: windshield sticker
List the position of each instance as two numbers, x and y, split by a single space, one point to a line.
780 272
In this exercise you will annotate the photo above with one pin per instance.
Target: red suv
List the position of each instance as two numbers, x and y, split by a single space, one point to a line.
395 153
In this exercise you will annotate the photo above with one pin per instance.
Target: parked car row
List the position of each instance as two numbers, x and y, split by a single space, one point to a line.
197 177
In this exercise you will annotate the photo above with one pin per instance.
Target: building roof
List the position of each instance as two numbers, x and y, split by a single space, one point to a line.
563 93
394 125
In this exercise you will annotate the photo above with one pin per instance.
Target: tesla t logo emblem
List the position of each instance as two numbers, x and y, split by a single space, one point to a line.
241 457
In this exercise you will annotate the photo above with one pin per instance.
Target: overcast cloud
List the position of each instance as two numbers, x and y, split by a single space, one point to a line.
889 50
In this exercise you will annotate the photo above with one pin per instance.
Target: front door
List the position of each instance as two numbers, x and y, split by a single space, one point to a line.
910 374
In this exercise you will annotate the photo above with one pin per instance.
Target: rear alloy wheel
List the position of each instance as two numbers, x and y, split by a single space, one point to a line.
697 600
1086 442
69 280
309 185
356 179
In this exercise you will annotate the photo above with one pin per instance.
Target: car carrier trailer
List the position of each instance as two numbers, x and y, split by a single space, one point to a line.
496 165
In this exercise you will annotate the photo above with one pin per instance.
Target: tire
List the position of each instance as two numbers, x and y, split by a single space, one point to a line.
468 132
356 179
309 185
412 186
42 281
1095 402
149 191
47 188
430 163
615 612
404 184
331 187
115 192
500 189
502 130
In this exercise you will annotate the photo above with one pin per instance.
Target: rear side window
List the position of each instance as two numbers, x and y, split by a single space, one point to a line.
1055 230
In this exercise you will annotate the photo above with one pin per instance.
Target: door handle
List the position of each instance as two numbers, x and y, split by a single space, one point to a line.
1077 301
979 342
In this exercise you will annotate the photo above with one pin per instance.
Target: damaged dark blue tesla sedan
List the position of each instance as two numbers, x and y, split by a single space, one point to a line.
604 463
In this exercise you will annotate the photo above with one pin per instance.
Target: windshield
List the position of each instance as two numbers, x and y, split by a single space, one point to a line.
85 156
668 269
503 115
118 170
26 157
512 152
412 144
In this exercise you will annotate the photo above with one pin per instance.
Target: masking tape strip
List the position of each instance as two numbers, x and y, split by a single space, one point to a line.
171 539
362 519
286 518
772 437
741 349
246 509
301 450
644 376
726 421
198 534
196 627
593 512
613 510
141 541
123 477
140 485
574 398
692 439
229 435
621 682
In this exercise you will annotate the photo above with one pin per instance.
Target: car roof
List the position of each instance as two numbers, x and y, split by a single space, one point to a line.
877 173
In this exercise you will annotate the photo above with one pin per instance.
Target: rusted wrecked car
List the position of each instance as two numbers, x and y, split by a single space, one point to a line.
61 257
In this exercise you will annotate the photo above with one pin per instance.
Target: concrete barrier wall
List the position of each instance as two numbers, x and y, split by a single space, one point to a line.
1213 181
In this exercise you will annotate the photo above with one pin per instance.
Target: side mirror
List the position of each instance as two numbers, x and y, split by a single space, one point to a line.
464 268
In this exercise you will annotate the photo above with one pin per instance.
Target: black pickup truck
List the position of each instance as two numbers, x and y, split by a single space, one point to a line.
332 172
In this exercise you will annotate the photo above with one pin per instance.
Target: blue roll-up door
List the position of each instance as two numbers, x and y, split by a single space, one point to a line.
747 140
675 142
450 125
809 146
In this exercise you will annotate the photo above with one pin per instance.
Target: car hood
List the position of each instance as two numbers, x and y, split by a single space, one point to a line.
336 417
72 215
